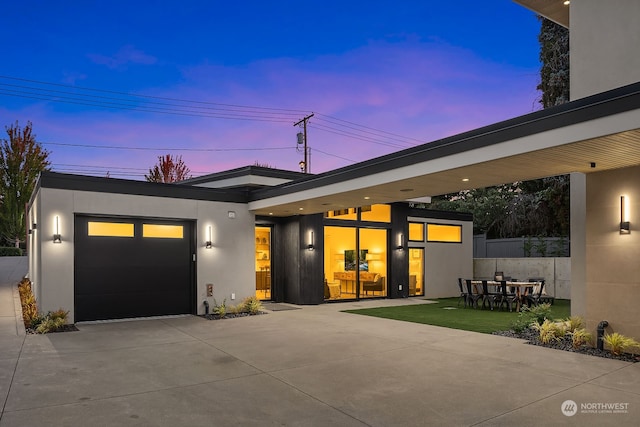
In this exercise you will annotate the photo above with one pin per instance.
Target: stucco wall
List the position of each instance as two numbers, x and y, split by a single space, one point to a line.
445 262
612 259
604 40
556 271
228 265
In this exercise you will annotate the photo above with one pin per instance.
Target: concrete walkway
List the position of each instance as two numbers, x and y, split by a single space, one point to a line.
313 366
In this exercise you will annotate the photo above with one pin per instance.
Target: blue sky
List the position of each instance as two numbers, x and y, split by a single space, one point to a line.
379 76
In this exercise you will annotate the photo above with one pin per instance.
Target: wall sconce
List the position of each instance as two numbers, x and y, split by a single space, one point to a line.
208 244
57 238
310 242
34 226
400 242
625 227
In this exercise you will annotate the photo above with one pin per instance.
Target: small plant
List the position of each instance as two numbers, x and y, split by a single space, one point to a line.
580 337
618 343
52 321
574 323
550 331
220 310
538 313
252 305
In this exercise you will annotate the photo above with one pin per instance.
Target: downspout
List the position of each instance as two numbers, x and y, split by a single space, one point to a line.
599 343
206 306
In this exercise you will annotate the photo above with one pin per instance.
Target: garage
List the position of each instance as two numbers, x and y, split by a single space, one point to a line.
133 267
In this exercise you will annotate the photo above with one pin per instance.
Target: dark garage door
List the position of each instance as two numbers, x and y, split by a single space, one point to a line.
132 267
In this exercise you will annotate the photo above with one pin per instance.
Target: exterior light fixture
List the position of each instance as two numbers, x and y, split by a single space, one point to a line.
310 241
566 2
302 165
57 238
208 244
34 226
625 226
400 245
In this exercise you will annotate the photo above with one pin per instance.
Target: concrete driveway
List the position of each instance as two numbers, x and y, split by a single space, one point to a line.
313 366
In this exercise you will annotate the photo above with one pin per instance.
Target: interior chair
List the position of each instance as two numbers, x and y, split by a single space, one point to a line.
472 298
463 293
376 285
413 281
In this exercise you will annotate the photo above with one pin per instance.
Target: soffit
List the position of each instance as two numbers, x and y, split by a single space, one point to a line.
613 151
554 10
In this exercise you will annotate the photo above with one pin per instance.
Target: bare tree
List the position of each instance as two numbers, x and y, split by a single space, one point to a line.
168 169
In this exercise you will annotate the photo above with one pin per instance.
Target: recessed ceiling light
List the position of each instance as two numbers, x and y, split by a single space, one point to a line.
465 179
367 197
567 2
270 213
300 209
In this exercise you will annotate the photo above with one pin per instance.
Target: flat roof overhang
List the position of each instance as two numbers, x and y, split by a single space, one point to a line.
603 129
554 10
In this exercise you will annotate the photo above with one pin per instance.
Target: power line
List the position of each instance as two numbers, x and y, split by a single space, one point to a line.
122 147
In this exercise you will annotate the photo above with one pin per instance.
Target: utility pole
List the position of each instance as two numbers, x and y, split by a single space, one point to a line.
304 165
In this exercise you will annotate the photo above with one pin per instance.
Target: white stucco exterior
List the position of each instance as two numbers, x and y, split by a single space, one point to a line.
228 265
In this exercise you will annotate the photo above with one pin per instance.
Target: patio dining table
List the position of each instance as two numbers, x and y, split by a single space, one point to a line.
520 287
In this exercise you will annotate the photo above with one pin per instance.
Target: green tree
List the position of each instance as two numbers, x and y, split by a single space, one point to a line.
21 161
554 57
168 169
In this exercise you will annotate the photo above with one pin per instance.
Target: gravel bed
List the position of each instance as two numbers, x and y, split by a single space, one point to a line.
230 316
531 336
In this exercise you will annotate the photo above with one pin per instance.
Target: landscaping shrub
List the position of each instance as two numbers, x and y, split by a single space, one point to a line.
618 343
580 337
550 331
51 322
10 251
252 305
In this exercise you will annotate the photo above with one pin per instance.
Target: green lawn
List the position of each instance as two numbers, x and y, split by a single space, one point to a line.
446 312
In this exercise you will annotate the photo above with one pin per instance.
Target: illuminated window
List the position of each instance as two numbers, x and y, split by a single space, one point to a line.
377 213
162 231
350 214
444 233
110 229
416 232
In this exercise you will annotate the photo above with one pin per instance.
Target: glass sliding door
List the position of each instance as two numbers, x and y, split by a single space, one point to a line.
355 261
263 263
416 271
372 263
340 261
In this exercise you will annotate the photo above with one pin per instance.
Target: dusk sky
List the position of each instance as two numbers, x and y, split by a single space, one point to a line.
222 83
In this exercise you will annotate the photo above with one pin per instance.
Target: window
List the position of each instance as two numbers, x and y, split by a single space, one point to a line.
350 214
377 213
110 229
159 231
416 232
444 233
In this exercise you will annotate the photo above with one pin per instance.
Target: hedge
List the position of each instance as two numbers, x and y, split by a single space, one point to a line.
9 251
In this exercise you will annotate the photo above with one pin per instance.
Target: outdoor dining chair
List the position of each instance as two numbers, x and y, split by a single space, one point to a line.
472 298
489 298
535 297
508 299
463 293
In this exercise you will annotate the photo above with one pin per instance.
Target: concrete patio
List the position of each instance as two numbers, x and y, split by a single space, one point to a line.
309 366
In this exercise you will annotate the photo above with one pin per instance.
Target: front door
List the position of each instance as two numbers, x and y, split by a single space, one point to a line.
263 262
